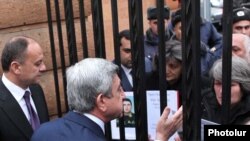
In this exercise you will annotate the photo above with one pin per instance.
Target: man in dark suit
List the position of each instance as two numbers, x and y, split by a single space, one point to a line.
94 99
126 61
22 64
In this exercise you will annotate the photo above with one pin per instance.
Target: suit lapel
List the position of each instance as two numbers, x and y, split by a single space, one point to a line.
14 111
125 83
39 101
35 98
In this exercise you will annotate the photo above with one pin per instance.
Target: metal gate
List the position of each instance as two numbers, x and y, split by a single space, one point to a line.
191 59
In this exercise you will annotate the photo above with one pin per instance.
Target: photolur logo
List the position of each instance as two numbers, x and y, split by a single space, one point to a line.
235 132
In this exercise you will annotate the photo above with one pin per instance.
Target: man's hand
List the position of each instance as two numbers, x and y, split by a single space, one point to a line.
167 126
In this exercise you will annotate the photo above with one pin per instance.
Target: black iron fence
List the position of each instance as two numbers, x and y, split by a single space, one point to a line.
191 56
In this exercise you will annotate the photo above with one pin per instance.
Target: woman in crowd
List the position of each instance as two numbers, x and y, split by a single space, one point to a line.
173 58
240 89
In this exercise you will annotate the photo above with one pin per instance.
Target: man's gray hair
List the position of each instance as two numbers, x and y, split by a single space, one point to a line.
240 72
86 80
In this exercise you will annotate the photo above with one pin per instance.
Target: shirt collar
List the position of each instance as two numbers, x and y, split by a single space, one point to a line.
127 70
15 90
96 120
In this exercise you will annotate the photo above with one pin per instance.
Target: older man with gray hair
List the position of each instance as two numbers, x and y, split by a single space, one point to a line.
241 46
95 97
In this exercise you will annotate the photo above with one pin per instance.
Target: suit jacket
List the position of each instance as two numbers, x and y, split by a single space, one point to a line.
14 125
72 127
125 82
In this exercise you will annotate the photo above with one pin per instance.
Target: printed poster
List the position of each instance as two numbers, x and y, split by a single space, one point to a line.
153 113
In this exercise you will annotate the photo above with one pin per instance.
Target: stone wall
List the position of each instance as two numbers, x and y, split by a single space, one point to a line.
29 18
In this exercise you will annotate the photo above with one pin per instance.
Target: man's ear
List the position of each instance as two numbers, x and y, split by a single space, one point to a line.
15 67
101 102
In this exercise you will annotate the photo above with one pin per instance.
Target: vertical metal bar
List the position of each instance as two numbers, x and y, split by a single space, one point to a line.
191 69
53 54
196 66
117 54
115 31
69 16
83 29
60 41
137 44
96 6
161 52
227 59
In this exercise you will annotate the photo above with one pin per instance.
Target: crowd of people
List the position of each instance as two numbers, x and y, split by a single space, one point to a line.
95 98
211 62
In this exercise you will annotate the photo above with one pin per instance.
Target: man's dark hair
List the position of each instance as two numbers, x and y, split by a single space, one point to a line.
124 33
127 99
176 17
152 13
14 49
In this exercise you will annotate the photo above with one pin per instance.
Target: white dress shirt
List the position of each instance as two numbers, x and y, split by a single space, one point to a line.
128 74
18 94
96 120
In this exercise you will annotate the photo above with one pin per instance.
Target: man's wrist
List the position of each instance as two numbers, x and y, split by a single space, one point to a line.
160 137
